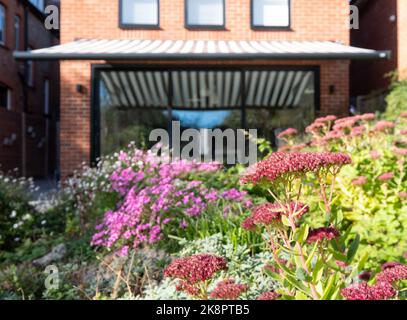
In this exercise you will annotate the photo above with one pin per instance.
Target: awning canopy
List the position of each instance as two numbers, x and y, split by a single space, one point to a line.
97 49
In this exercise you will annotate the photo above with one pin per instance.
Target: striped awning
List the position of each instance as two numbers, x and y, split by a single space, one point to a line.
97 49
208 90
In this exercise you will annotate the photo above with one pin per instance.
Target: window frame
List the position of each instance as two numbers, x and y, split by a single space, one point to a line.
17 32
260 27
123 25
3 8
9 97
204 26
46 97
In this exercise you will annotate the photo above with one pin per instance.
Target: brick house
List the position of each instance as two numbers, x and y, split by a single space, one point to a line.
128 66
28 96
382 26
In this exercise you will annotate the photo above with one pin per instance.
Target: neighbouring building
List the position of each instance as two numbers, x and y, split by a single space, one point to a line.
29 92
382 26
128 66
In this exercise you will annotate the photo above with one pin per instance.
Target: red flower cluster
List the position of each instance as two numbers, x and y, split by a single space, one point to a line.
196 268
281 163
393 274
363 291
321 234
270 295
270 213
288 133
228 290
383 289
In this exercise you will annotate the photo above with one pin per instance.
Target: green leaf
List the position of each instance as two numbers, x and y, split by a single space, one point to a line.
302 275
328 288
285 221
318 271
353 249
301 296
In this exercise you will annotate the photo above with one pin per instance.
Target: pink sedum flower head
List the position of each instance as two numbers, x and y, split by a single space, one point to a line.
375 154
228 290
290 132
384 125
368 117
280 164
329 118
196 268
270 295
359 181
403 115
386 176
321 234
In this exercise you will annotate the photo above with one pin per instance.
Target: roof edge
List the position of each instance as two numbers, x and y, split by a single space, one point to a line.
27 55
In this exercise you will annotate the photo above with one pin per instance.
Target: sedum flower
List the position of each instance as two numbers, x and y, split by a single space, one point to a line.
228 290
386 176
279 164
321 234
393 274
269 295
359 181
363 291
196 268
384 125
290 132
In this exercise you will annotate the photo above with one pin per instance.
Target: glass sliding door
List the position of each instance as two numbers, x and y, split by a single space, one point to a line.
130 102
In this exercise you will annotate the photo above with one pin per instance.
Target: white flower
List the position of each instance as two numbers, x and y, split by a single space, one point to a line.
27 217
16 225
13 214
16 239
43 222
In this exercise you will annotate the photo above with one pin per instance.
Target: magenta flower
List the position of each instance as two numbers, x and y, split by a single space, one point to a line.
270 295
279 164
228 290
375 154
321 234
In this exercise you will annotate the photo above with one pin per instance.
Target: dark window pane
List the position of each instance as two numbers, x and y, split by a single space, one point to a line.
4 97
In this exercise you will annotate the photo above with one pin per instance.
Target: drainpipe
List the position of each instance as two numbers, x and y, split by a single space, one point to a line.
25 96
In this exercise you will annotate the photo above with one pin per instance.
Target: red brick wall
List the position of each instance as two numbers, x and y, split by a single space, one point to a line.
11 73
311 20
378 32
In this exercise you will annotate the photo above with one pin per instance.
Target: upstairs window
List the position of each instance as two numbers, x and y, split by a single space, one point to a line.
271 13
2 24
139 13
205 13
5 97
39 4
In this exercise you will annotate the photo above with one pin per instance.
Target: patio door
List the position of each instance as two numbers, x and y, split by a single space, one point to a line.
131 101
